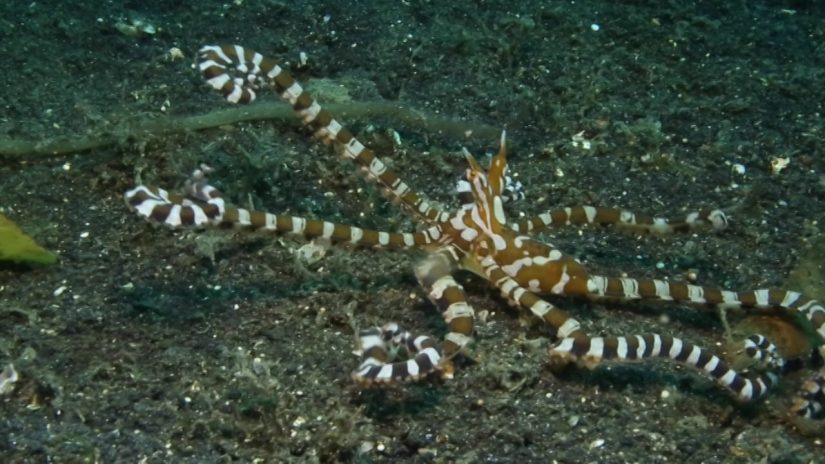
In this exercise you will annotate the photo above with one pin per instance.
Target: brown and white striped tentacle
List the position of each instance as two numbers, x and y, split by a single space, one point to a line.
425 355
575 345
434 274
237 72
763 352
513 190
202 204
207 208
590 351
379 346
561 324
175 211
787 302
621 219
810 401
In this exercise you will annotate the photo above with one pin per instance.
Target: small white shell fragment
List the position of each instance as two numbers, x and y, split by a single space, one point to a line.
299 421
311 253
580 142
7 379
779 164
136 28
366 447
396 137
597 443
175 54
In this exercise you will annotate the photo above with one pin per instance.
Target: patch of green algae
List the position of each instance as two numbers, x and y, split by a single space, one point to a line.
18 247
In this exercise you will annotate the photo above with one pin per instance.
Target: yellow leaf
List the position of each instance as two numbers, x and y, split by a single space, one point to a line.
19 247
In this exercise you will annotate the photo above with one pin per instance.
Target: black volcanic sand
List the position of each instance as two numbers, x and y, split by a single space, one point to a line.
145 344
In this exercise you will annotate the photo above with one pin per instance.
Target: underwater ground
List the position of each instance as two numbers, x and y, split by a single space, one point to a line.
149 345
